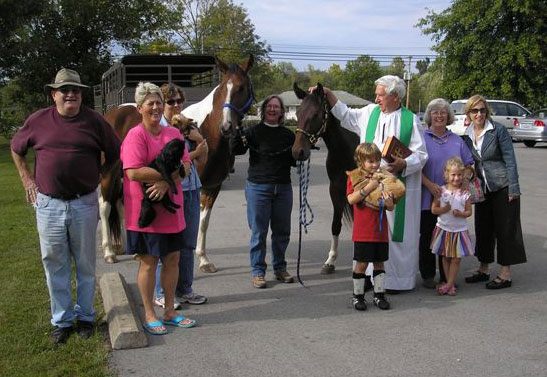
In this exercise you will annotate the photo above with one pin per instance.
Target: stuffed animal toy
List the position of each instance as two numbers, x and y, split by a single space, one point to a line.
388 182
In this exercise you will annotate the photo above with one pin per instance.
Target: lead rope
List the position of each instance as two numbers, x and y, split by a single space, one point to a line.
303 170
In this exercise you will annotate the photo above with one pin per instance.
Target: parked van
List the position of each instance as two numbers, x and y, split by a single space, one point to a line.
508 113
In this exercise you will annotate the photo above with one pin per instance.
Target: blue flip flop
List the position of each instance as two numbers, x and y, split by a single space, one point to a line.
177 321
148 327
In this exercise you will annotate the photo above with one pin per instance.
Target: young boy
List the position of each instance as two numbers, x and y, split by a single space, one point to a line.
370 233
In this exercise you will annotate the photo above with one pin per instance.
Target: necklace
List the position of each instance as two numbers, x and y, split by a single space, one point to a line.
438 139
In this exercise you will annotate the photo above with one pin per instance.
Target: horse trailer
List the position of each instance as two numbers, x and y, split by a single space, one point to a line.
197 75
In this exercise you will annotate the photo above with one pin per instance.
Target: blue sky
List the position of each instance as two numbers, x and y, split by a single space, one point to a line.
342 27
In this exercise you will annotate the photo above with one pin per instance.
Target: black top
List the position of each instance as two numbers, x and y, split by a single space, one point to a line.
270 156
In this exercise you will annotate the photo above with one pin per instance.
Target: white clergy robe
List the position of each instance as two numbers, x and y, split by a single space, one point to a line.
402 266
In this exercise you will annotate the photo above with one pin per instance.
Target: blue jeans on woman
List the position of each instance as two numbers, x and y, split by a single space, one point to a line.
189 234
67 230
268 205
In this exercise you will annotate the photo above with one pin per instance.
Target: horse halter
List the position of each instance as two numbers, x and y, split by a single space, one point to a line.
245 108
313 137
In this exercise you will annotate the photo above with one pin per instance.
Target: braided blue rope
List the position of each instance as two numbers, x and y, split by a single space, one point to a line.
304 172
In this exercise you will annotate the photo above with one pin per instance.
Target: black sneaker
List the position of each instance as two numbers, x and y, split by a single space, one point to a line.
358 302
84 329
380 301
59 335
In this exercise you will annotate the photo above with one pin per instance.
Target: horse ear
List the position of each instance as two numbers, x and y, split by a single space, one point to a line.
300 94
246 66
223 67
319 90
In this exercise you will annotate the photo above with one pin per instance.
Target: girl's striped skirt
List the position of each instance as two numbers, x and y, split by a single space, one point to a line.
451 244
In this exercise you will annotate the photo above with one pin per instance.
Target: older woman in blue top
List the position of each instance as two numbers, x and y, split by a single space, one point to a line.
441 145
497 218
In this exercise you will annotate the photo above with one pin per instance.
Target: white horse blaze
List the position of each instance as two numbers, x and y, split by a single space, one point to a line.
226 111
204 216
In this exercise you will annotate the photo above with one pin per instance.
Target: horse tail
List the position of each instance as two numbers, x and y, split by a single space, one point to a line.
347 214
112 193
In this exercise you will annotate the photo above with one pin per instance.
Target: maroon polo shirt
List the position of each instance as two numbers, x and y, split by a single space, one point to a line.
68 150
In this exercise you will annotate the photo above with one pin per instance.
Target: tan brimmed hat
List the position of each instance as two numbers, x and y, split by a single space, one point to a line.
66 77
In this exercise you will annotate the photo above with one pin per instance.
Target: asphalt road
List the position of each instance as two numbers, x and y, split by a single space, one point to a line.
288 330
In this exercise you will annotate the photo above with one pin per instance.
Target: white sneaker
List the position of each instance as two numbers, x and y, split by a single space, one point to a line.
160 301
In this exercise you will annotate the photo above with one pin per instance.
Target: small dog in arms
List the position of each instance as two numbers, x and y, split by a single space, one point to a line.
167 162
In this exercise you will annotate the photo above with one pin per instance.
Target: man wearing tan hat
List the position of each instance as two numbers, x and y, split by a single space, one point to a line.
68 139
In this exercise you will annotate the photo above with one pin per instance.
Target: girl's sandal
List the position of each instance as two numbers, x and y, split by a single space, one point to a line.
443 289
452 291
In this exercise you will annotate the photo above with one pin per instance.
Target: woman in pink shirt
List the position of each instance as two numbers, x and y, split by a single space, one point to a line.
163 237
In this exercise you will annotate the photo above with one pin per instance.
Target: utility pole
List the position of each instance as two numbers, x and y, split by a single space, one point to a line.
408 77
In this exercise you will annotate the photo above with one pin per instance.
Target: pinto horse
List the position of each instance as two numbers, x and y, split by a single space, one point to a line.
217 116
314 121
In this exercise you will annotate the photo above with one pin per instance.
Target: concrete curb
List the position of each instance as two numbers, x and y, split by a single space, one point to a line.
123 325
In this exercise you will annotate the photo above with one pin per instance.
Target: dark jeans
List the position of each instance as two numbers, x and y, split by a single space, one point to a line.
497 222
427 258
268 205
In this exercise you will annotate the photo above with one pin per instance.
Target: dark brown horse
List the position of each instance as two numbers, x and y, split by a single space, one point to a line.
314 121
221 111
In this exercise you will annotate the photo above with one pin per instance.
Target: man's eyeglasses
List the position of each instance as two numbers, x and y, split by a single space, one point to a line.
68 89
476 111
171 102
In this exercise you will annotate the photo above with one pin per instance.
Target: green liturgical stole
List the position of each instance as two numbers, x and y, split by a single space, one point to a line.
407 121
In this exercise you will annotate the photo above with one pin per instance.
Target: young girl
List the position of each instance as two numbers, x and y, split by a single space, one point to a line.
451 237
370 235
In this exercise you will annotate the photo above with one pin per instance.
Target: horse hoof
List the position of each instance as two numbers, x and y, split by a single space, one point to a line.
208 268
111 259
327 269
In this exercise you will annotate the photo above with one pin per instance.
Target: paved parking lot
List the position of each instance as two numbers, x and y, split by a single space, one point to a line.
288 330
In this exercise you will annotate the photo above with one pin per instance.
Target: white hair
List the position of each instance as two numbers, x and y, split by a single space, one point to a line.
144 89
394 85
438 104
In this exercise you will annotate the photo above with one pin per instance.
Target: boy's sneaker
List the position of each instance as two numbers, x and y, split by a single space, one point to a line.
380 301
192 299
358 302
160 301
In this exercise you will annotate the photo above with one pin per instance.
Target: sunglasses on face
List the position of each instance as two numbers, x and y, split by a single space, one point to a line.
476 111
68 89
171 102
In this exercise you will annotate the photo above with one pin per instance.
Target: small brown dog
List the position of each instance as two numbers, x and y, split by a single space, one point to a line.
388 182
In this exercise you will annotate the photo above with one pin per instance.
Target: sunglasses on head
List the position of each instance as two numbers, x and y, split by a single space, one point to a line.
68 89
476 111
171 102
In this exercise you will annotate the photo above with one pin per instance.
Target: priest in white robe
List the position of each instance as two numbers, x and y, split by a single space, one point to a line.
402 266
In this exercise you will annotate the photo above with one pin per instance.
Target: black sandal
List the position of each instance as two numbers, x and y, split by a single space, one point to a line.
498 283
478 276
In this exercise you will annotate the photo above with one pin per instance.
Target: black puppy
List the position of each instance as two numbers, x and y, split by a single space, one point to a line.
167 162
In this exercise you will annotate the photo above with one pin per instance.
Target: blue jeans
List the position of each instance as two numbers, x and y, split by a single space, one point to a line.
67 230
190 235
268 205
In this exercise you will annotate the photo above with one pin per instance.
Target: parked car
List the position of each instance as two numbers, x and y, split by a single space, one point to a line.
532 128
508 113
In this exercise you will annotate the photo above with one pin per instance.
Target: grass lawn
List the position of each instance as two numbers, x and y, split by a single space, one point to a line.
25 348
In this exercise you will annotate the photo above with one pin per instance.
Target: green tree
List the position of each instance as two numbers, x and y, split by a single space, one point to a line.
360 75
422 65
397 67
49 35
492 47
217 27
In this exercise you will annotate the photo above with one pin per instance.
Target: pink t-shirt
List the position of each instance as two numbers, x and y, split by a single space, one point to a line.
139 149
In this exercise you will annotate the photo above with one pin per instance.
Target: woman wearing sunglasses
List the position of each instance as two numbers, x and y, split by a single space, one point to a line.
197 147
497 218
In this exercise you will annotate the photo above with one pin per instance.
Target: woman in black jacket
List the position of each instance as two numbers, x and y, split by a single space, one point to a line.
268 190
497 218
